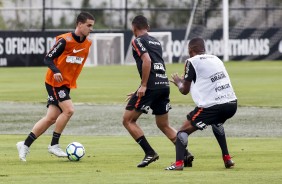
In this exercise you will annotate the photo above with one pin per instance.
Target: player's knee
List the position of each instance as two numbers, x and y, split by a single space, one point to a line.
218 129
69 112
127 121
163 126
183 137
50 120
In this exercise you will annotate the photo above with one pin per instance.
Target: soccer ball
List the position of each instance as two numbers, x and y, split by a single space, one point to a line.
75 151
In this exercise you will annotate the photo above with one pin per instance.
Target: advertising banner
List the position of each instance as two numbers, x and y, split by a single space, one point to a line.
29 48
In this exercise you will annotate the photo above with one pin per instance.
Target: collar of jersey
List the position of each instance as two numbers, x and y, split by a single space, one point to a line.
77 38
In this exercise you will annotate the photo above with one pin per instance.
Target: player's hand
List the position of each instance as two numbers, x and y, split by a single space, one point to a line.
141 91
176 79
129 96
58 77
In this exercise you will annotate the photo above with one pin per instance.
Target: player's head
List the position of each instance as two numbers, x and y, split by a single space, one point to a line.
139 23
84 23
196 46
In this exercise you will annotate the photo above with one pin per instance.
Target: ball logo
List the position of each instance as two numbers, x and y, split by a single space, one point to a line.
50 98
62 94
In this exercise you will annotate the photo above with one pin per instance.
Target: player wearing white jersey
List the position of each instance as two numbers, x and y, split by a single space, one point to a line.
212 85
206 78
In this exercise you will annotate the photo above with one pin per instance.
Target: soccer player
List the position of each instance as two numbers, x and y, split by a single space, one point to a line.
207 79
65 62
153 91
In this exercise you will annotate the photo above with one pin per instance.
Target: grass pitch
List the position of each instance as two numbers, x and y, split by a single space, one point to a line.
111 159
255 84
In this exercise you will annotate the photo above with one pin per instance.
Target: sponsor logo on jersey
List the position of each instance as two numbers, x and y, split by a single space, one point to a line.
230 95
159 66
164 76
76 51
55 49
154 43
187 69
74 59
62 94
140 44
217 76
222 87
162 83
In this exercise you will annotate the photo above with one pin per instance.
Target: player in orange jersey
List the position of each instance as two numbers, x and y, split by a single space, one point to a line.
65 62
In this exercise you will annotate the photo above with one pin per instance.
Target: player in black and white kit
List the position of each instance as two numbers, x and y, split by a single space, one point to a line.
153 92
206 78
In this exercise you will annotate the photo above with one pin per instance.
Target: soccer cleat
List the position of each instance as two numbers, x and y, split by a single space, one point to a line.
56 150
23 150
148 159
188 159
173 167
228 162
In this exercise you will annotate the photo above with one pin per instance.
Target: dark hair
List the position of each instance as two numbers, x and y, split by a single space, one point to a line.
140 22
83 16
197 45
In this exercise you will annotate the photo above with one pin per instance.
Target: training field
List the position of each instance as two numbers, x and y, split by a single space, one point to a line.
254 133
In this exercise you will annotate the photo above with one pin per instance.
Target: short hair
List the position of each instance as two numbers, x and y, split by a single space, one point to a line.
197 45
83 16
140 22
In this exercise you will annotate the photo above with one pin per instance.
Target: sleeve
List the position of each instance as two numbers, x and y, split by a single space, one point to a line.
189 72
55 52
138 46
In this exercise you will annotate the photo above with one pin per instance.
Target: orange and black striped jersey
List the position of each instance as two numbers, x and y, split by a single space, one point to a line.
69 62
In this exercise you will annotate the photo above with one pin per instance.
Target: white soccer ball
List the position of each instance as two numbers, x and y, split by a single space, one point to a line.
75 151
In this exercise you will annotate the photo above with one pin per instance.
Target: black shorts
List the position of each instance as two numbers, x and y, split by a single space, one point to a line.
217 114
157 100
57 94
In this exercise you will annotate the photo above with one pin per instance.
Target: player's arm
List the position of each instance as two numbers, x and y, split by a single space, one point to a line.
146 68
184 83
146 65
55 52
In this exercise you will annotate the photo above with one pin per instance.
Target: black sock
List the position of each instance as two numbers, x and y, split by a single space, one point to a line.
219 133
30 139
55 139
142 141
180 150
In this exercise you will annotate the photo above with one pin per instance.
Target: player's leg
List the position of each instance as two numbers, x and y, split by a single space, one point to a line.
226 111
38 129
218 131
42 125
61 122
161 106
62 95
135 107
64 117
181 144
130 123
163 124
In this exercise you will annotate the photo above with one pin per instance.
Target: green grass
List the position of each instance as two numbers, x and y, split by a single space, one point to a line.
255 83
113 159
